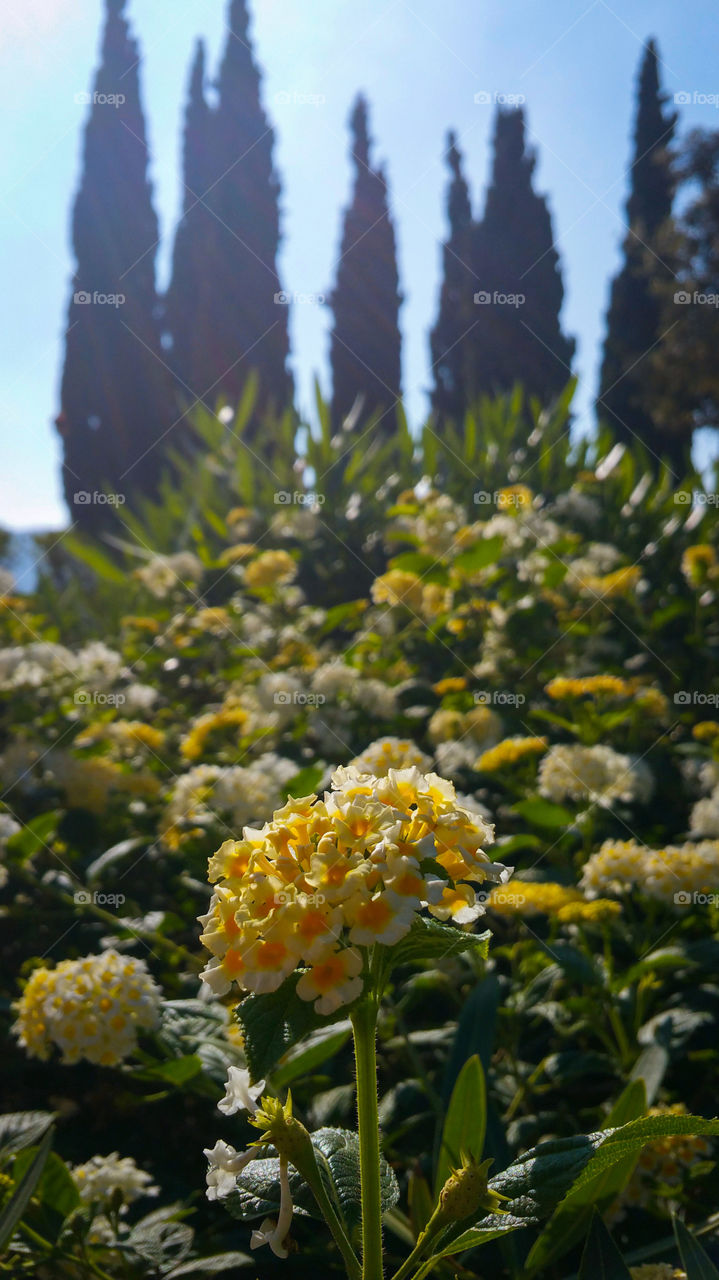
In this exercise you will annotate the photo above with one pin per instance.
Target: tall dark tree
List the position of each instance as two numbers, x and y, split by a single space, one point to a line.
518 335
451 337
634 320
365 344
189 302
116 400
230 250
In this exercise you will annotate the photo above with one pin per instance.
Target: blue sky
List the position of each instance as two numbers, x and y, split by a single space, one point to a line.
421 64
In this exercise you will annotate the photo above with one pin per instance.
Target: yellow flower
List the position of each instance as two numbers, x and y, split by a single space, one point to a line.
271 568
193 744
596 911
142 624
611 585
510 752
390 753
398 588
325 879
514 498
528 898
436 600
90 1008
241 551
588 687
450 684
699 564
706 731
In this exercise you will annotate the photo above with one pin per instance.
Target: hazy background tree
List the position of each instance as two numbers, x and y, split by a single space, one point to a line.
451 337
635 324
514 258
365 344
116 399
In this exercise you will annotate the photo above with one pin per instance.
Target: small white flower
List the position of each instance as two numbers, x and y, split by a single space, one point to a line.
224 1165
240 1095
275 1233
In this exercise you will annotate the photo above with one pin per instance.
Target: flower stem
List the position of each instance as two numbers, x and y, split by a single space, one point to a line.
364 1026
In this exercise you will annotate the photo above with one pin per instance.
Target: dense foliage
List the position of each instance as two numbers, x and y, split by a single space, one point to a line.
534 622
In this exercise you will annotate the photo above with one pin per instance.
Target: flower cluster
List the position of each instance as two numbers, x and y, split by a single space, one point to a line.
657 1271
663 1163
600 686
509 752
101 1178
541 897
671 874
390 753
90 1008
597 774
326 878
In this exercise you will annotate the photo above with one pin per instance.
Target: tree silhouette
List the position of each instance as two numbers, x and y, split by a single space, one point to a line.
518 335
451 337
116 401
365 345
240 311
634 319
188 302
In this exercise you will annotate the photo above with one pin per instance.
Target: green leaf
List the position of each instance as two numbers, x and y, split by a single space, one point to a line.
696 1262
633 1136
160 1240
465 1123
211 1266
601 1259
572 1218
20 1198
20 1129
311 1052
543 813
480 556
337 1150
273 1023
431 940
177 1071
33 836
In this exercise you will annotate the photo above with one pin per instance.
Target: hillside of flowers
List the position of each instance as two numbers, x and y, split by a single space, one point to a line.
457 708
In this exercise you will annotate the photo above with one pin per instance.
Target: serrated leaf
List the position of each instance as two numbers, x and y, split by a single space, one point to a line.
696 1262
273 1023
465 1123
311 1052
211 1266
431 940
161 1242
572 1217
601 1259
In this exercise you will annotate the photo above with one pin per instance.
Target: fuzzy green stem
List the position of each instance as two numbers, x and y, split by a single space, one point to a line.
364 1026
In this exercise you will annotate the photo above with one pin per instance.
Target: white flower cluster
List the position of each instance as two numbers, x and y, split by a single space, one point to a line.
705 816
390 753
239 794
673 874
101 1177
162 574
597 774
8 827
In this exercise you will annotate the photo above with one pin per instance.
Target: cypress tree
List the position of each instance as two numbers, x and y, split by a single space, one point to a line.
365 343
518 335
116 398
634 320
246 316
188 303
451 338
